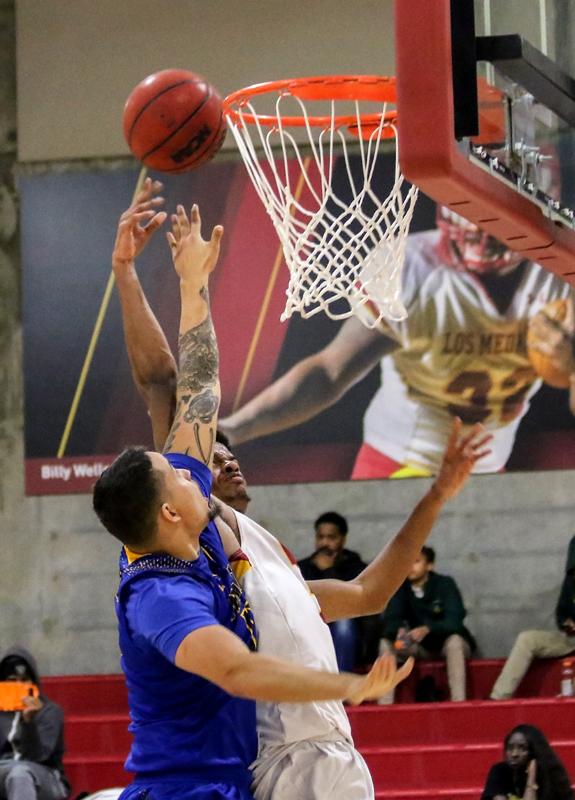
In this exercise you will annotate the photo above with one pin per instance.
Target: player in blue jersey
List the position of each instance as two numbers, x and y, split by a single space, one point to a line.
187 635
305 749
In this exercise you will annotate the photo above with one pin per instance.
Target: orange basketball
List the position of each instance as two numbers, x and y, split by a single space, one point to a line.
556 310
173 121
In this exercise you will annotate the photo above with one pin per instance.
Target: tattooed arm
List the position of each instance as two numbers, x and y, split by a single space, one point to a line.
198 390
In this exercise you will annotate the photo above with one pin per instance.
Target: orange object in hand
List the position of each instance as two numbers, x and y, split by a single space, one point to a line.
12 694
403 640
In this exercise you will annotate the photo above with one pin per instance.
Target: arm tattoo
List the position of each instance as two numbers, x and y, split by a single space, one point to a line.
205 456
203 407
198 358
175 425
198 399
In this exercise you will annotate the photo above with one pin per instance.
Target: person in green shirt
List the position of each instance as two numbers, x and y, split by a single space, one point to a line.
424 618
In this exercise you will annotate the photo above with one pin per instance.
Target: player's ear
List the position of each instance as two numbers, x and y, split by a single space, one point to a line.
168 513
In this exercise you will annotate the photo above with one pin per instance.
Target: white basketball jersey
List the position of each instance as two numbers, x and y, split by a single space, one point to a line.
458 355
290 627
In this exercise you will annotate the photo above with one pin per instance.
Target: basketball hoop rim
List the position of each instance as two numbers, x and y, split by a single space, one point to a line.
375 88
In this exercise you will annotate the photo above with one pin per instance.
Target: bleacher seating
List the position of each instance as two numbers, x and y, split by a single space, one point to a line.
436 751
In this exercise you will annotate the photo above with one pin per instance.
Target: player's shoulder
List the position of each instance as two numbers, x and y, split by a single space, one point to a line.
255 533
152 591
197 469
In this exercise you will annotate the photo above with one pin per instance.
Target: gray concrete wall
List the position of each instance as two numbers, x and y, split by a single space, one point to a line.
90 55
504 539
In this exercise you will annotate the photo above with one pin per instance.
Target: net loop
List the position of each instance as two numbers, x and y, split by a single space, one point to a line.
320 179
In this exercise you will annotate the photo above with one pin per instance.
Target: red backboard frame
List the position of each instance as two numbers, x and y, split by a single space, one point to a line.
428 151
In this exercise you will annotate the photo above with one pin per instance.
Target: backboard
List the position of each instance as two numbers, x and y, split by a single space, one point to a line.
486 110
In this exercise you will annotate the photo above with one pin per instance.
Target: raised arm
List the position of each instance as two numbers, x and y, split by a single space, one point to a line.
370 592
198 389
152 362
310 386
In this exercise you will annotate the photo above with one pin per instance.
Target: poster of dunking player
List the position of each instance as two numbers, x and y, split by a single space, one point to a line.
304 400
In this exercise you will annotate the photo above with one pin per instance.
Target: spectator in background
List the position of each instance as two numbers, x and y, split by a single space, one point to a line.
355 640
31 740
531 770
424 618
542 644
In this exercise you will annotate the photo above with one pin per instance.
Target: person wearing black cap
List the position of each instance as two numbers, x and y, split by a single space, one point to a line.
31 740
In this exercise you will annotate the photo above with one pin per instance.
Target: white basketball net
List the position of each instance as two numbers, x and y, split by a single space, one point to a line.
335 248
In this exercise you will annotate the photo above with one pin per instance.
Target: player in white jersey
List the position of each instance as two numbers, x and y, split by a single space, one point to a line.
306 750
291 627
461 351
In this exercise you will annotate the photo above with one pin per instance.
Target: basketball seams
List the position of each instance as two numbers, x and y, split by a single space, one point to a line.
180 126
174 121
153 99
207 146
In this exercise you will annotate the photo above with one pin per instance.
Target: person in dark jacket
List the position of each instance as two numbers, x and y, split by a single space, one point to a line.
355 640
424 618
542 644
31 740
331 558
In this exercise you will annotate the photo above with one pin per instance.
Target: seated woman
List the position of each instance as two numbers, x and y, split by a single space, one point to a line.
531 770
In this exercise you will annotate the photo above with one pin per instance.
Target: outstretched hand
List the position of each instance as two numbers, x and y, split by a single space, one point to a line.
138 224
194 258
381 679
460 456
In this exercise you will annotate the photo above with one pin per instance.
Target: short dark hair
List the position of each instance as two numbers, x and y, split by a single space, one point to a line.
334 519
127 497
429 554
221 438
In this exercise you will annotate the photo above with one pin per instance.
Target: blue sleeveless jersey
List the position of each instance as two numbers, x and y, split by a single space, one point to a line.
185 727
